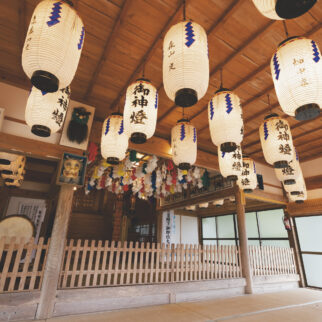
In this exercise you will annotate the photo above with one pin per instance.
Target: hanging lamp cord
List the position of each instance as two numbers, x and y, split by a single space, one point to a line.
285 29
184 10
269 104
221 79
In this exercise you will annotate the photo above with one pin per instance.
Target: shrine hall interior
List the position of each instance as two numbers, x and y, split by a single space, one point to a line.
160 160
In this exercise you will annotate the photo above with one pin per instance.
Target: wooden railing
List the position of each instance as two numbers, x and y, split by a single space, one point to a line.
111 264
270 260
22 264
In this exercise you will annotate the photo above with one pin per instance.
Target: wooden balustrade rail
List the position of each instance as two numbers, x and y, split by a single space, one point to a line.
111 264
270 260
22 264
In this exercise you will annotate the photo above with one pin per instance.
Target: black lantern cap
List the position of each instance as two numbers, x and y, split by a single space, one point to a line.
41 130
222 89
286 40
280 164
289 9
307 112
117 113
186 97
182 120
248 190
184 166
45 81
270 116
138 138
228 147
113 160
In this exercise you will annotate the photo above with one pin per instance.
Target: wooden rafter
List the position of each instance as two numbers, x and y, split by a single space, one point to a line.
108 46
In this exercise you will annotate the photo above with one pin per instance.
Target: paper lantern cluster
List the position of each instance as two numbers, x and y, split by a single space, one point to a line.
296 69
225 120
248 179
184 144
283 9
230 163
114 140
13 170
53 45
140 110
45 112
276 140
185 63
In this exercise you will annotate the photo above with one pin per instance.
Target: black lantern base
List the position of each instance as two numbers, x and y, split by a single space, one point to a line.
113 160
184 166
138 138
69 2
248 190
9 180
280 164
289 9
299 201
41 130
232 178
307 112
4 161
228 147
289 182
45 81
295 193
186 97
218 206
8 172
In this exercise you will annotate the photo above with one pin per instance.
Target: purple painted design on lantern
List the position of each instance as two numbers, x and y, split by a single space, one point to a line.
55 14
276 67
211 107
229 104
81 40
189 34
156 100
182 132
121 128
265 131
194 135
107 128
315 51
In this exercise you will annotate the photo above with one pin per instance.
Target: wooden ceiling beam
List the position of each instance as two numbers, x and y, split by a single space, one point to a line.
108 46
157 43
244 45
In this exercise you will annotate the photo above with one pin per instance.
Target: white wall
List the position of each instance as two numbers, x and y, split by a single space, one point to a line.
312 168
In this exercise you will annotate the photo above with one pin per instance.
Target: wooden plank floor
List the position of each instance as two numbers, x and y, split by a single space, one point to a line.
294 305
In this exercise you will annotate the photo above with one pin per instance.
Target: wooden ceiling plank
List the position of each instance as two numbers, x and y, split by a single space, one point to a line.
108 46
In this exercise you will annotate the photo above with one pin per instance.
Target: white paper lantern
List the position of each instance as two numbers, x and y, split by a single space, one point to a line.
225 120
13 182
192 207
16 167
298 187
204 205
114 140
7 158
45 112
296 69
300 198
230 163
276 140
283 9
248 179
218 202
289 174
140 110
184 144
53 45
185 63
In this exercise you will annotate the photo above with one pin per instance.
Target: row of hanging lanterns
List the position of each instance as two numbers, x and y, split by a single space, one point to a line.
12 168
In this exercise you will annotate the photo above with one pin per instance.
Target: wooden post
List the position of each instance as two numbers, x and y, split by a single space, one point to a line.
55 253
243 243
117 222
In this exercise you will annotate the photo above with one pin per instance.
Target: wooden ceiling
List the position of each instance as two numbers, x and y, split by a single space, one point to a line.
122 36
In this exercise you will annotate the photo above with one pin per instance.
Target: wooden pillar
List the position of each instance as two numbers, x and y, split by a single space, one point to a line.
55 253
117 222
243 242
159 226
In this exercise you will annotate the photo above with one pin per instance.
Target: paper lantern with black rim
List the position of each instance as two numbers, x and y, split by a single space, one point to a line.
53 45
276 140
230 163
7 158
218 202
15 167
225 120
185 63
184 144
248 179
296 188
299 198
289 174
204 205
45 112
296 69
140 110
283 9
114 140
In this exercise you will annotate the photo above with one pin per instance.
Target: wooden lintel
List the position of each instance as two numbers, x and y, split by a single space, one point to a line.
200 199
307 208
267 197
22 145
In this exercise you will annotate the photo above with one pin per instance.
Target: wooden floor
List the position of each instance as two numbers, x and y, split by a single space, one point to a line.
295 305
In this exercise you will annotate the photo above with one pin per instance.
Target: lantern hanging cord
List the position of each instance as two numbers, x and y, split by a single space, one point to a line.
184 10
285 29
221 79
143 71
269 104
182 113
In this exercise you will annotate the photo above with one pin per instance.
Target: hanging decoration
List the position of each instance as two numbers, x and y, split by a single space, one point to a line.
276 140
53 45
77 130
45 112
225 120
140 110
114 141
296 69
289 174
219 202
185 63
248 179
287 223
16 167
283 9
184 144
230 163
92 152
